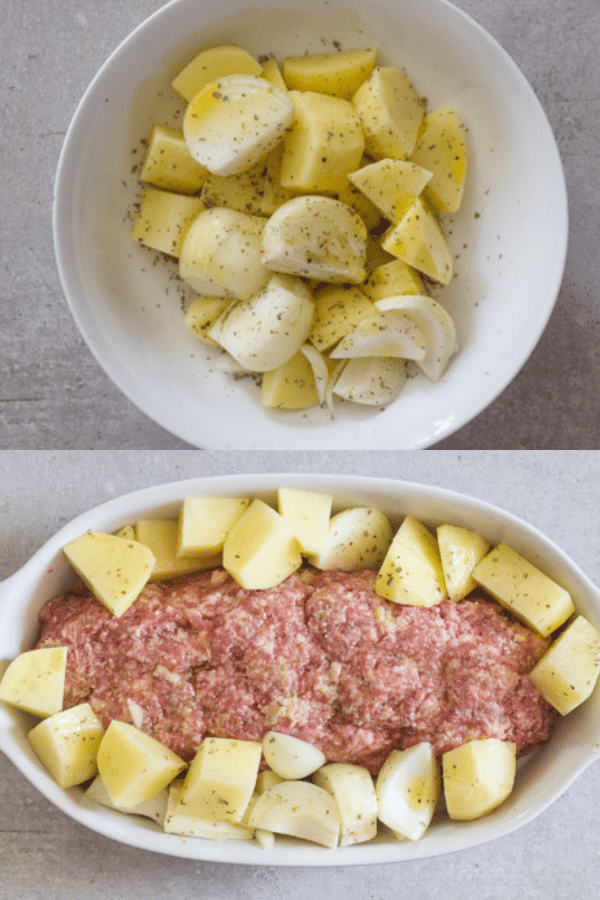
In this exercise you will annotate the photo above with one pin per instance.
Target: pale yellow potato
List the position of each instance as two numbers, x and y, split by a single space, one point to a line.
300 809
460 551
35 681
168 164
291 385
478 777
412 572
324 144
391 112
163 220
261 549
271 71
392 185
178 821
212 63
67 743
220 255
203 313
419 240
114 568
266 779
352 788
339 74
567 673
205 522
407 790
391 279
234 122
442 147
369 213
220 780
160 535
308 512
338 309
155 808
524 589
134 766
357 538
257 191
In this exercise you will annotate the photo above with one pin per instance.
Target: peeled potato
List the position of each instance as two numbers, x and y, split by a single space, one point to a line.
391 111
352 788
418 240
567 673
67 743
261 549
212 63
478 777
412 571
35 681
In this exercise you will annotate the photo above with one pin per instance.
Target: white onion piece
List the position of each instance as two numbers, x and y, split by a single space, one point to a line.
407 788
390 333
436 325
374 381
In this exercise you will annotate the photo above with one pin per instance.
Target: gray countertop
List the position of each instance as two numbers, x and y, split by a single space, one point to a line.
43 853
54 394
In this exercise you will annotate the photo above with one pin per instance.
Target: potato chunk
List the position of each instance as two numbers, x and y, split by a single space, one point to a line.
393 279
220 780
339 74
114 568
35 681
391 111
211 63
163 220
308 512
567 673
351 786
133 765
291 385
478 777
419 241
67 744
460 551
412 571
442 148
160 535
205 522
338 309
522 588
178 821
168 163
392 185
261 549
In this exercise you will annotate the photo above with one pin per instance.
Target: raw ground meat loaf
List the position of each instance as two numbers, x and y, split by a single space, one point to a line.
320 656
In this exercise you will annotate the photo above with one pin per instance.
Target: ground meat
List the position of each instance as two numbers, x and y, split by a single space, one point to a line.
321 657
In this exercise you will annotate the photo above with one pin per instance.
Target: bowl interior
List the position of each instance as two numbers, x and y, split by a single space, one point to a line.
541 779
509 238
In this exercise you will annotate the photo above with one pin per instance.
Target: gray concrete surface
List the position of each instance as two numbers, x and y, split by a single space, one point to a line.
53 394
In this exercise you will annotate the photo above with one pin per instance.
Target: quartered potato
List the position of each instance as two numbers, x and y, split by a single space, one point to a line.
35 681
234 122
134 767
178 821
163 220
261 549
442 148
338 309
265 330
221 254
340 73
202 314
407 789
391 112
352 788
419 241
289 757
271 71
291 385
316 237
567 673
436 326
220 780
308 512
160 536
521 587
325 143
114 568
392 279
478 777
300 809
205 522
67 743
168 163
213 63
258 191
357 538
412 571
460 551
372 381
392 185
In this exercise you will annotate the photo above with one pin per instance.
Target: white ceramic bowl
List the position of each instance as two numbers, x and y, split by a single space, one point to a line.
509 237
541 779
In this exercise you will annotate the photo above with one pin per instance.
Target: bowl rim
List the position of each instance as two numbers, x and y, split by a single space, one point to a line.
210 436
402 497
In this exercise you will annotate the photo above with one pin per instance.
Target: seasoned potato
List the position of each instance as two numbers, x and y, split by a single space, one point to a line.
178 821
478 777
300 809
460 551
522 588
290 757
419 241
393 279
168 163
155 808
115 569
412 571
392 185
163 220
340 73
67 743
352 788
357 538
308 512
160 535
291 385
134 767
337 310
567 673
407 790
257 191
203 313
391 112
221 779
205 522
35 681
442 148
261 549
212 63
